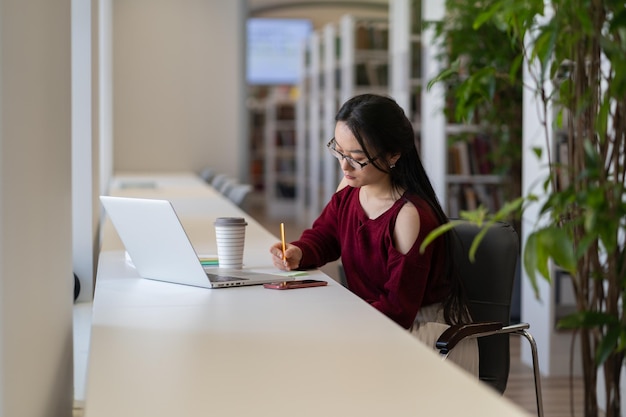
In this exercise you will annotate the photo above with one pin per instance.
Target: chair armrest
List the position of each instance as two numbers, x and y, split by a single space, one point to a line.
454 334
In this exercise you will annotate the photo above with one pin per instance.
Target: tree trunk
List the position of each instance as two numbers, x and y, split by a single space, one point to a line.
612 373
590 374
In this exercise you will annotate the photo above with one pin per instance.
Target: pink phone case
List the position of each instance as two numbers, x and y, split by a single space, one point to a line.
289 285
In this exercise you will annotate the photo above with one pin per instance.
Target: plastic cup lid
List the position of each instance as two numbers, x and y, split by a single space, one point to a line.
230 221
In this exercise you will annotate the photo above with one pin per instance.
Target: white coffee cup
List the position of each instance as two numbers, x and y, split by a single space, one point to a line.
230 233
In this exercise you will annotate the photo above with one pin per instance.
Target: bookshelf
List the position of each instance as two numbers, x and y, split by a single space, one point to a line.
311 133
302 139
330 105
395 56
319 99
256 126
452 156
364 56
470 178
339 61
456 156
280 151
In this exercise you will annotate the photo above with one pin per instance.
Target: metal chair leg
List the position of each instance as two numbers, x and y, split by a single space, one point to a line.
533 348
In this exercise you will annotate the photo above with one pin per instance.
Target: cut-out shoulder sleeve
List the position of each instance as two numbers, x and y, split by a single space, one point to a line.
407 228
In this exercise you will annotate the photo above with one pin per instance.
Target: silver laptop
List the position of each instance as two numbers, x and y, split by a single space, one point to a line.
160 249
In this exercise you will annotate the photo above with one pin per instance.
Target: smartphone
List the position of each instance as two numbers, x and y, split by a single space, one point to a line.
288 285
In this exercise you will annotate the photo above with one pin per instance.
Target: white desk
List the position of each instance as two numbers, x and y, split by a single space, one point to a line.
160 349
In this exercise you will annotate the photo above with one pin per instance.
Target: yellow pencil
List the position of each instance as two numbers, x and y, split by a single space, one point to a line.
282 238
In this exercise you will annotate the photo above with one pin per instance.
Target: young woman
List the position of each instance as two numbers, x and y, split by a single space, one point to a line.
384 208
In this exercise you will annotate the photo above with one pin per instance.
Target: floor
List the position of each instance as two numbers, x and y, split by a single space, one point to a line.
560 394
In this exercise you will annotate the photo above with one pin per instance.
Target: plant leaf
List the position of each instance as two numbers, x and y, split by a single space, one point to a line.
607 344
558 245
444 75
438 232
476 242
530 262
587 319
509 208
477 216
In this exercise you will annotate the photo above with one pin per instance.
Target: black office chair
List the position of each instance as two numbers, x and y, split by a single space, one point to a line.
489 286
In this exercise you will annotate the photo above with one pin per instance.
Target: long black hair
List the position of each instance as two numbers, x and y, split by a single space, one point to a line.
381 128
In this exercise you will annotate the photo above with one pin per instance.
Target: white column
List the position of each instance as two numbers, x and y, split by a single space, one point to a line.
538 313
331 174
433 142
315 203
105 93
346 60
84 206
301 136
36 281
400 53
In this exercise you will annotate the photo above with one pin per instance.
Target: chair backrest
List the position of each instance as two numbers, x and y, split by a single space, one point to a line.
489 286
239 193
207 174
219 180
227 186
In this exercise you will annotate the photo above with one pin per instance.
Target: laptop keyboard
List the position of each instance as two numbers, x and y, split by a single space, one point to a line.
223 278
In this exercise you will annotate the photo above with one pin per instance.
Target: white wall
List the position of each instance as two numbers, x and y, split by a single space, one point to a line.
85 206
178 77
103 76
36 282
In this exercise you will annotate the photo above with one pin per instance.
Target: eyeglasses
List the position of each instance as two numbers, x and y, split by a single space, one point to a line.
353 162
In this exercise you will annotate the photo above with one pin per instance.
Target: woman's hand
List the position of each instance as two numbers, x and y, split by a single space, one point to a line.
293 256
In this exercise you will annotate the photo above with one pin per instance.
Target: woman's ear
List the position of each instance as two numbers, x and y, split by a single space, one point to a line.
393 160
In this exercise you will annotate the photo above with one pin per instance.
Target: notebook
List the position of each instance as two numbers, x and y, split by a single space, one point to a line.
160 249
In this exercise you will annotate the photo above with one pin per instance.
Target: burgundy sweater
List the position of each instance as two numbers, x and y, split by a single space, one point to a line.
396 284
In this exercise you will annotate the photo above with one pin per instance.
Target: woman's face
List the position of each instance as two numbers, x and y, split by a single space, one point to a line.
347 146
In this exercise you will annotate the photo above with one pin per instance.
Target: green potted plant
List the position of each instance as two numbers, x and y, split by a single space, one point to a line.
579 48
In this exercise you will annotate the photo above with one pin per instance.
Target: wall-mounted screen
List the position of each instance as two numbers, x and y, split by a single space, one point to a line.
274 48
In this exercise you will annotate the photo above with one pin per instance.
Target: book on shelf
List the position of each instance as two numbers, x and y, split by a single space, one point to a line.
371 36
471 182
371 73
285 112
480 150
416 60
285 166
286 138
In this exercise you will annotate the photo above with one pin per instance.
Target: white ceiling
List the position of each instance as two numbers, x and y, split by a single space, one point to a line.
319 11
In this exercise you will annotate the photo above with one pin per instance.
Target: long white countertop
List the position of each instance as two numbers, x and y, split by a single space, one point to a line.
160 349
